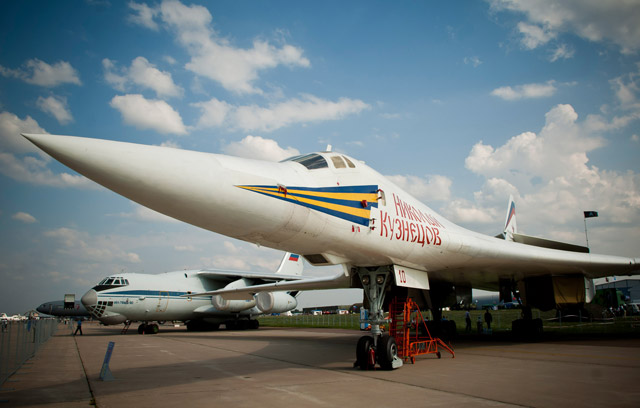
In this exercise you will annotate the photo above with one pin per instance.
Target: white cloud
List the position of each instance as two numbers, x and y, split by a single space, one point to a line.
550 174
428 189
527 91
563 51
10 128
560 148
627 90
151 114
475 61
235 257
40 73
614 21
463 211
56 106
33 170
80 245
256 147
213 57
214 113
534 36
144 15
184 248
30 169
142 213
24 217
308 108
142 74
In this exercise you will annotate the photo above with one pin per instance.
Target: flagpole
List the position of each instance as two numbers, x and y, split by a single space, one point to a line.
585 231
588 214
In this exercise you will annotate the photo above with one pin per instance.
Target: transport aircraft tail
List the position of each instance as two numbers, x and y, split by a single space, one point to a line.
291 265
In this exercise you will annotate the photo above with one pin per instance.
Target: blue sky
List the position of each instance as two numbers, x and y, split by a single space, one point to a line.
463 103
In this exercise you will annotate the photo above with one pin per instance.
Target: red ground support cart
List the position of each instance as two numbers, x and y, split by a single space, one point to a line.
410 330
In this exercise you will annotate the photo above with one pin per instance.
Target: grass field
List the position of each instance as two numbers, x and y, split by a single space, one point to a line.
501 322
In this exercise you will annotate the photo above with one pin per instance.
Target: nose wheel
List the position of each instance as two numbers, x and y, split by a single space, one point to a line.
385 353
365 353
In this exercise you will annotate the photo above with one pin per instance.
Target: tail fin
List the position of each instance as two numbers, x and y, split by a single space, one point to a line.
291 265
510 226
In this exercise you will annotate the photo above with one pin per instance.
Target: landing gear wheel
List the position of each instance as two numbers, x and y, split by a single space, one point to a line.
151 329
254 324
142 328
364 350
387 352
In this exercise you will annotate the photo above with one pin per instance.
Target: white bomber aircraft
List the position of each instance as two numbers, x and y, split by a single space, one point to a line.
145 298
333 209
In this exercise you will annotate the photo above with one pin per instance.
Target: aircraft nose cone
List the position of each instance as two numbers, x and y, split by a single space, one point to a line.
90 298
41 308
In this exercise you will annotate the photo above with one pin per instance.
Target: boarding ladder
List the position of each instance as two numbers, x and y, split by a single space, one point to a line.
126 327
410 330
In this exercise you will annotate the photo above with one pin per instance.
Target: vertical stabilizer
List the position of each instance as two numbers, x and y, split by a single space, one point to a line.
291 265
510 226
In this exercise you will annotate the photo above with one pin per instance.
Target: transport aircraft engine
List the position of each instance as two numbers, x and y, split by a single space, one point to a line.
275 302
233 305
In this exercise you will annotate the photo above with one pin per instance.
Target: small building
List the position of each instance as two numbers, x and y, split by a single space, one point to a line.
630 288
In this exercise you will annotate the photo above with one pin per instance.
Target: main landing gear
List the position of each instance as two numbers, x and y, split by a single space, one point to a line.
145 328
376 348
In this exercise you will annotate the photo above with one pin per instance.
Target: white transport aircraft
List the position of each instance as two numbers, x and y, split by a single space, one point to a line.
129 297
333 209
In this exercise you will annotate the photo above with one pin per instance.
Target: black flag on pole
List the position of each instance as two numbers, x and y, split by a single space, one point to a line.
589 214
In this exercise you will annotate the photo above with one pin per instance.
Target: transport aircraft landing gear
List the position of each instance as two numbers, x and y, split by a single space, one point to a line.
527 328
148 328
376 348
241 324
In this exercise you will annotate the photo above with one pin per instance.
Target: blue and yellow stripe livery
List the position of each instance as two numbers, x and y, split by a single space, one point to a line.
351 203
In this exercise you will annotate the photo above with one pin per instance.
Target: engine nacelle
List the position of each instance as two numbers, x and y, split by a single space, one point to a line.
233 305
275 302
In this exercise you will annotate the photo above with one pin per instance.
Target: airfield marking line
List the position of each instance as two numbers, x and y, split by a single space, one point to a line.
355 373
86 377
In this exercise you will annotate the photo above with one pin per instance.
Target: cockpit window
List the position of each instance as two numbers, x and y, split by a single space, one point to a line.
338 163
110 282
310 161
349 162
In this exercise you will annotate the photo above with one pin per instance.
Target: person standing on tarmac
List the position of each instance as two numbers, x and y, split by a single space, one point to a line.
488 319
78 328
467 319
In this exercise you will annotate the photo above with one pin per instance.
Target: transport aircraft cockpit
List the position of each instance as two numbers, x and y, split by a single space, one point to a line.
110 282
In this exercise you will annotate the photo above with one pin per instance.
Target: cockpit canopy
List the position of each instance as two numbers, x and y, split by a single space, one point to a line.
111 282
314 161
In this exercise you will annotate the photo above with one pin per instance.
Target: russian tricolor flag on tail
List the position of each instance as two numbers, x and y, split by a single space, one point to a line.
294 257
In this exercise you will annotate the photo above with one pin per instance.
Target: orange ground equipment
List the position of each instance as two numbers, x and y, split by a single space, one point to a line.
411 332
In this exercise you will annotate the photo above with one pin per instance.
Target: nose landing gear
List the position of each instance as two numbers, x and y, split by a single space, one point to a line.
376 348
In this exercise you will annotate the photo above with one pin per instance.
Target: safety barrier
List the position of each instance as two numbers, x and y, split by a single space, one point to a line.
348 321
20 340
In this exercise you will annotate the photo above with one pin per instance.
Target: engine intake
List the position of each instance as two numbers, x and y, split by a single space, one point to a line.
275 302
233 305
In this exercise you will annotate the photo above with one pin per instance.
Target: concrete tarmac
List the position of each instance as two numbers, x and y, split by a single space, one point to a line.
276 367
